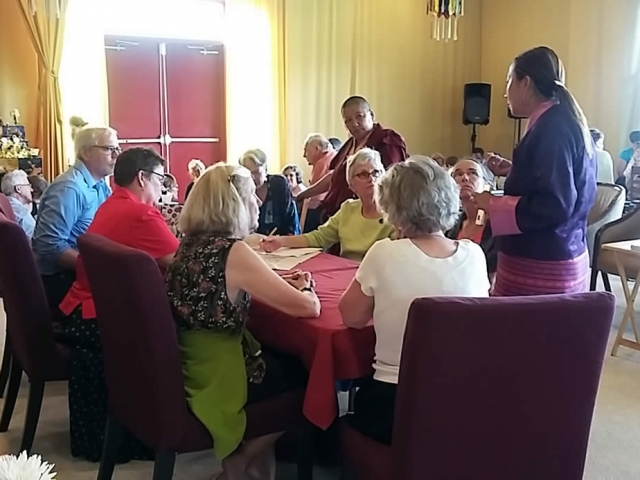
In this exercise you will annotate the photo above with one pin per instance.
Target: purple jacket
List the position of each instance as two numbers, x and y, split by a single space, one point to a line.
554 177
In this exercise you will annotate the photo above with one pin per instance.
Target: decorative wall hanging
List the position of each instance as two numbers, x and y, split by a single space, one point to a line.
445 15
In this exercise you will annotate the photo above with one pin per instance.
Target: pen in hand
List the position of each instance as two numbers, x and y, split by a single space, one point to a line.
270 235
265 242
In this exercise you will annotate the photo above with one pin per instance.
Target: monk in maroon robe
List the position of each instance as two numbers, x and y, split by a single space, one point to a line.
365 132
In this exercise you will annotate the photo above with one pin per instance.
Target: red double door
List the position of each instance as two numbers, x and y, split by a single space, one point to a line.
168 95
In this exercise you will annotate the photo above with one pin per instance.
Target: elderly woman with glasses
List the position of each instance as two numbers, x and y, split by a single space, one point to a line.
474 224
357 225
420 199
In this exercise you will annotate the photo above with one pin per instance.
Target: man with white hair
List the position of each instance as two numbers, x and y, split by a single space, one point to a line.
68 207
319 153
16 186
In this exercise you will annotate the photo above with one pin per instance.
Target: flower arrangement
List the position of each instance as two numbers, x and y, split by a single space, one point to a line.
25 468
14 147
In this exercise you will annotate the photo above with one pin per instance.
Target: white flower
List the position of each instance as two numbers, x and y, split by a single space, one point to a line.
25 468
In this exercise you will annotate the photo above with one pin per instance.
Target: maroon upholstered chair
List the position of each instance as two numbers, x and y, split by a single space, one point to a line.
492 388
5 208
29 327
7 211
142 364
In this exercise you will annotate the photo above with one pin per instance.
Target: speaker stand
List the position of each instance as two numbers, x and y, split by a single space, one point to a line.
474 137
517 134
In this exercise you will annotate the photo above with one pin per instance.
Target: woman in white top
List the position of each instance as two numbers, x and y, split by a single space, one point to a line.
422 201
604 171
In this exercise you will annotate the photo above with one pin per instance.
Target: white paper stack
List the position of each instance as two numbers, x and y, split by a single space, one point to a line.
288 258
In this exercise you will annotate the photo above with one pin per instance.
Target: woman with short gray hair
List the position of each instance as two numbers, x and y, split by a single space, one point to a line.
357 225
415 210
421 200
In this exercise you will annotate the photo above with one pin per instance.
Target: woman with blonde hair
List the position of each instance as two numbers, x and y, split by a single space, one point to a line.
196 169
210 285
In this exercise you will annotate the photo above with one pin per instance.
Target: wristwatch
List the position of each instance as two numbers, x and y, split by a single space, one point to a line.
306 289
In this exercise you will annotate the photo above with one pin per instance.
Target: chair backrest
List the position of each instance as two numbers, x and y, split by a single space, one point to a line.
29 320
626 228
608 197
142 364
303 212
5 208
499 387
607 208
621 230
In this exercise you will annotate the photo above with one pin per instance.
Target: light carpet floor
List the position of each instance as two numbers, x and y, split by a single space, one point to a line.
614 449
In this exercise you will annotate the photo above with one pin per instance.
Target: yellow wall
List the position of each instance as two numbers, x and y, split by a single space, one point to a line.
594 38
383 51
18 69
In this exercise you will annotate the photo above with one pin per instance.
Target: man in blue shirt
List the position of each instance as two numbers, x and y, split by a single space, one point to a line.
68 206
16 186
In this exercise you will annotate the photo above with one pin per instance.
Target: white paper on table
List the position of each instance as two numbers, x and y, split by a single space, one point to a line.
279 262
294 252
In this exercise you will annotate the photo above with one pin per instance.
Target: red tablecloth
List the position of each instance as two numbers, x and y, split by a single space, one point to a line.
328 349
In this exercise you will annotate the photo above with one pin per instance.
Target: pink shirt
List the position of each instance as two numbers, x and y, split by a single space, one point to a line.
319 170
537 113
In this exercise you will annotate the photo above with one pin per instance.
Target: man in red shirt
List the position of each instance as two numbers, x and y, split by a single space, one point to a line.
365 132
129 216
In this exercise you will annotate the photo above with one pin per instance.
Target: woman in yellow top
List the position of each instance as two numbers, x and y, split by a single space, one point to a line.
357 225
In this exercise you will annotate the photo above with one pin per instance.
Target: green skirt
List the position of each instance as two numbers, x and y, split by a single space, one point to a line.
215 379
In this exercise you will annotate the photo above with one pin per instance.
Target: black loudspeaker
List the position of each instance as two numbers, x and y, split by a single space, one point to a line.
477 104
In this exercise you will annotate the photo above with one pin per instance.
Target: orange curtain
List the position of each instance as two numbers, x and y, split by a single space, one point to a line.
45 21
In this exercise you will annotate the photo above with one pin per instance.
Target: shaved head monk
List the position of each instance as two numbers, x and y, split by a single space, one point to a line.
359 119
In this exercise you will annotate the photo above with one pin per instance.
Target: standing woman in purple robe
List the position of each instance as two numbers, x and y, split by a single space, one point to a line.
541 220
